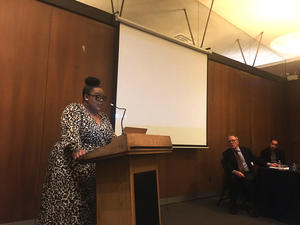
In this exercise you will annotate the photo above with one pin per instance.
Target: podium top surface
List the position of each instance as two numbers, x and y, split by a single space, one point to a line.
132 144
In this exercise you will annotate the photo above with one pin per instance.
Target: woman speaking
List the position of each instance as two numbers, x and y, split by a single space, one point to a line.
69 190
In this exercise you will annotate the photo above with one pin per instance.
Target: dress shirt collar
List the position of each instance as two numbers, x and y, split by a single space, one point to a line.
237 149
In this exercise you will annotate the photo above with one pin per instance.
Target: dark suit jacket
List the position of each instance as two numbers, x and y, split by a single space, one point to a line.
265 155
230 163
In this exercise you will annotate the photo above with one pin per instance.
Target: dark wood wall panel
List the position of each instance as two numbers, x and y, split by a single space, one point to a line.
293 99
238 103
268 113
24 36
45 55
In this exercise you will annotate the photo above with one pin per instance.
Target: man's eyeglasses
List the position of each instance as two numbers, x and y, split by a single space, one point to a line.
229 141
99 98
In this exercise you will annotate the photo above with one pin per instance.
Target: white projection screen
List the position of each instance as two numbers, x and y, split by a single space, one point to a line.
163 86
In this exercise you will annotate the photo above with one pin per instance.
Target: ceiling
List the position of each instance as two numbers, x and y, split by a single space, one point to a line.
244 20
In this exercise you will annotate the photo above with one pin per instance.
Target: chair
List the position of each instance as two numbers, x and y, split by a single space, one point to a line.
242 200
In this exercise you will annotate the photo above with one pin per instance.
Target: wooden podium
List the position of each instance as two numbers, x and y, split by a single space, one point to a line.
127 179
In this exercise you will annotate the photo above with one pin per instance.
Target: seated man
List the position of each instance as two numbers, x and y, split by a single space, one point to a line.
272 153
238 163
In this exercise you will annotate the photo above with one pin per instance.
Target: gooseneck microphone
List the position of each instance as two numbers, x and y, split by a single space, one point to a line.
124 111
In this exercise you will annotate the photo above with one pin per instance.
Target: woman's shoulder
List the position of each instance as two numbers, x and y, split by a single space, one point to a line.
73 107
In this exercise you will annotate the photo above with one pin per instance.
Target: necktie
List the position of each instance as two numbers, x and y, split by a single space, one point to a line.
239 162
242 165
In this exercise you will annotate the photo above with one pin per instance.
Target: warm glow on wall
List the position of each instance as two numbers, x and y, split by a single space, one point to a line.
288 43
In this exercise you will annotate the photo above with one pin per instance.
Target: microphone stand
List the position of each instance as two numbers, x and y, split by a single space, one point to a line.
124 111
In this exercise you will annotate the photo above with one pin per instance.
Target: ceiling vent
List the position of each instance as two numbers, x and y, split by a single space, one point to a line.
183 38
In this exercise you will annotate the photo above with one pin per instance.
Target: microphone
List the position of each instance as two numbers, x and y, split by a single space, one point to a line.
124 111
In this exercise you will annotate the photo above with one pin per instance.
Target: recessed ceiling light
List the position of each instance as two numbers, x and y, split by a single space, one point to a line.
288 43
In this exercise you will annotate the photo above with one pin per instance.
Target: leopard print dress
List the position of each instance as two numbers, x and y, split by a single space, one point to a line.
69 190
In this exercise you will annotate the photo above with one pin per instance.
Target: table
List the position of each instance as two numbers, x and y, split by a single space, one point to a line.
278 194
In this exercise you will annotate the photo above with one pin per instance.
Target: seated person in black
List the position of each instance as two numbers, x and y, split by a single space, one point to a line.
238 163
272 154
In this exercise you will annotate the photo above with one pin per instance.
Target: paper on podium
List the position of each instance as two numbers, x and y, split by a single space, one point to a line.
280 168
135 130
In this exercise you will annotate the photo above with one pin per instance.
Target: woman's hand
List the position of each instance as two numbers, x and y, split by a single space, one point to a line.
80 154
